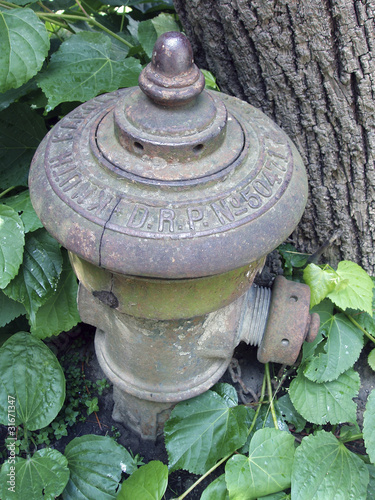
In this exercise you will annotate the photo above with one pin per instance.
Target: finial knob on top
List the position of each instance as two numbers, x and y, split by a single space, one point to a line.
172 78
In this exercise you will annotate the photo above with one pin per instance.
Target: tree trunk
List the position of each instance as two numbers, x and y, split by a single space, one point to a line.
310 66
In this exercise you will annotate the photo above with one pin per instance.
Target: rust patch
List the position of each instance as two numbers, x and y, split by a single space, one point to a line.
289 323
108 298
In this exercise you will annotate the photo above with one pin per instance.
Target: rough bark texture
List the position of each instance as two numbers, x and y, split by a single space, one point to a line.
309 65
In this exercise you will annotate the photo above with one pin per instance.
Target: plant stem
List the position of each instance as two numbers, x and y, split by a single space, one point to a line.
355 437
82 9
181 497
9 5
90 20
122 21
360 327
261 399
26 441
7 191
45 8
270 395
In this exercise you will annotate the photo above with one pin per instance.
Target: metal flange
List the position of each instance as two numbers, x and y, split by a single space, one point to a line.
280 322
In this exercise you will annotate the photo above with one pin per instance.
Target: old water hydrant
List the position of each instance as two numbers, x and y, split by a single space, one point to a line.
168 198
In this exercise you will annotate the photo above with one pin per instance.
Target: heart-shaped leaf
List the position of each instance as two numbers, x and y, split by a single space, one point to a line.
31 374
357 290
24 45
202 430
340 351
326 402
41 476
266 470
324 469
84 66
96 464
148 482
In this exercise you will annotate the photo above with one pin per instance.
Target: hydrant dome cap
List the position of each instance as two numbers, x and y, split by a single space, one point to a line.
170 181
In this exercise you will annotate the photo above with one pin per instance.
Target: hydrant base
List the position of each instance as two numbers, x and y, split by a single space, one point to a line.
146 418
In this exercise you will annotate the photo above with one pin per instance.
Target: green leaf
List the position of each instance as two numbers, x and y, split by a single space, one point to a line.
13 95
149 482
12 241
324 469
290 414
96 464
341 350
371 484
24 45
366 321
84 66
292 258
42 476
325 311
19 324
38 277
227 392
266 470
326 402
371 359
151 29
165 22
31 374
203 430
210 80
348 432
217 490
92 405
60 312
357 294
264 419
23 2
369 426
147 36
21 203
21 130
281 495
320 281
9 309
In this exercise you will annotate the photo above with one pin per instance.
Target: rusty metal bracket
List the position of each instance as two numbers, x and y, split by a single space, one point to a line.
289 323
278 322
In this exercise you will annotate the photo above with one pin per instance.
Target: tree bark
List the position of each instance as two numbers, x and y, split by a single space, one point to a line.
310 66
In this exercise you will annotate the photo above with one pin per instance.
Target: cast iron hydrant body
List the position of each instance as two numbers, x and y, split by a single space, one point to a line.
168 199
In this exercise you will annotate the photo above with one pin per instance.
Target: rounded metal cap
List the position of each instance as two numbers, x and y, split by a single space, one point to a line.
168 180
172 78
